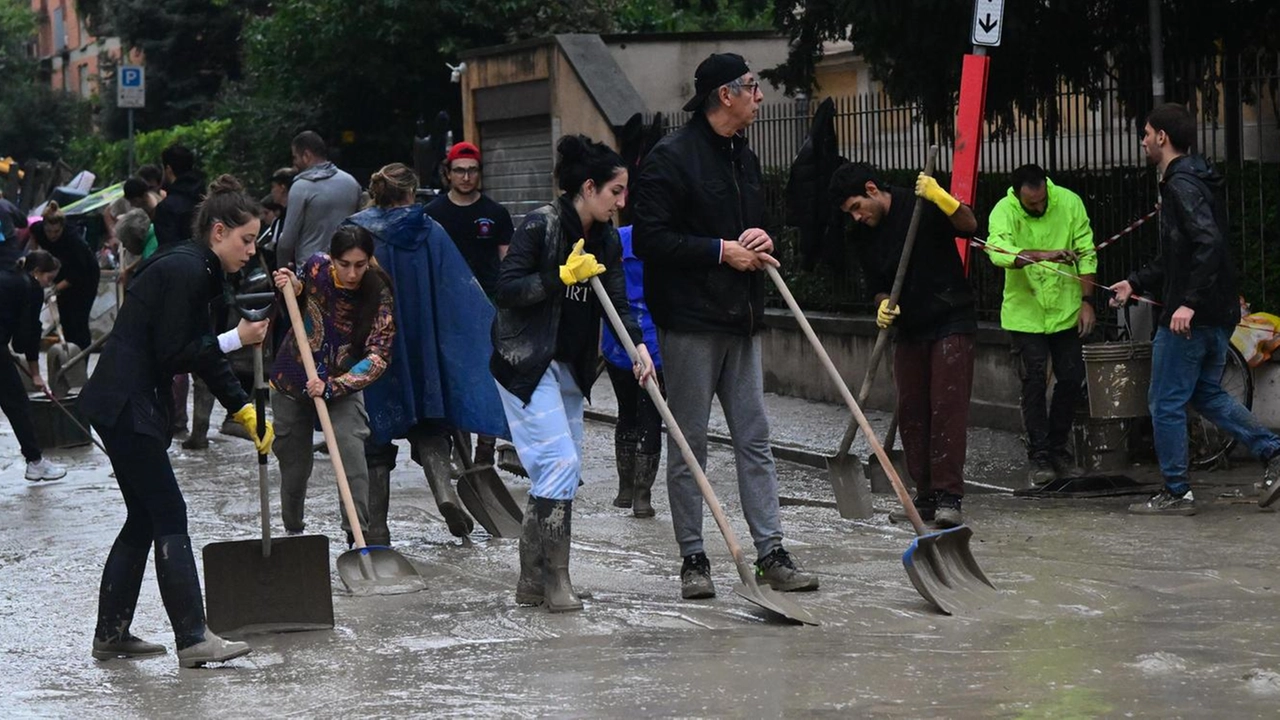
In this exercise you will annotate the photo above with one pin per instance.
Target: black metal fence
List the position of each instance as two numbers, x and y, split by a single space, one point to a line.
1088 144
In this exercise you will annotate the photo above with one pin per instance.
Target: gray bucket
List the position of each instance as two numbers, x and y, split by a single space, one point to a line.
1118 375
53 428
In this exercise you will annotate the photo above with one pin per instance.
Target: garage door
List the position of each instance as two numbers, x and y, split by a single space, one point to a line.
518 160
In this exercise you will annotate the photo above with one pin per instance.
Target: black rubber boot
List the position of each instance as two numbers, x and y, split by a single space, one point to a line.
624 453
646 473
117 598
485 448
201 408
432 453
555 527
180 590
529 586
379 503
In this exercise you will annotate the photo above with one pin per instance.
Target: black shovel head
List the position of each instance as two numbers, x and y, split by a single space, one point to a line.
851 488
489 501
944 572
774 601
246 593
377 570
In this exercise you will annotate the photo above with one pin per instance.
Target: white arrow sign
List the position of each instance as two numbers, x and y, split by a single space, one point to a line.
988 22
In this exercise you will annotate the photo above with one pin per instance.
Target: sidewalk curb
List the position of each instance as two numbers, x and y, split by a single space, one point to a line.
788 453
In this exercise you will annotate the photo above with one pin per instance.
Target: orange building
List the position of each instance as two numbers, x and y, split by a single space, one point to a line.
68 54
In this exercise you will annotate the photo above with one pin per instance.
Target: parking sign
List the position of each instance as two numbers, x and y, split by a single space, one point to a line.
131 87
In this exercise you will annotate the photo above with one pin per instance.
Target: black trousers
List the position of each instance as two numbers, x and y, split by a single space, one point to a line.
152 497
1048 424
73 312
638 418
17 407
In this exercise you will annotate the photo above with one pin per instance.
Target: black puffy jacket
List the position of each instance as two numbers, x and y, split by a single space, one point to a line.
1194 266
697 188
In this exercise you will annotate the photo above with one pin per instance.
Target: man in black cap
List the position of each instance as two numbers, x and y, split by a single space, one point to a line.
698 208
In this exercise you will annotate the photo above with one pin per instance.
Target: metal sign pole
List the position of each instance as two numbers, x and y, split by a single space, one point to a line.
131 142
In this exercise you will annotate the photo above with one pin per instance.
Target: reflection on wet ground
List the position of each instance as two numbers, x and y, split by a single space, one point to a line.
1101 614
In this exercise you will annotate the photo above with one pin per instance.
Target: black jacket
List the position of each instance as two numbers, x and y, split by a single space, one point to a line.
176 212
79 264
1193 267
697 188
529 296
20 303
163 329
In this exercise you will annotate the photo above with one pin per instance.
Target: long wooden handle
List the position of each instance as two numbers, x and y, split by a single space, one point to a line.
858 417
322 411
686 452
899 279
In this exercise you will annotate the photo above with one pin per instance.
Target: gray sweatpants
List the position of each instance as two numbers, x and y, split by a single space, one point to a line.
698 366
293 421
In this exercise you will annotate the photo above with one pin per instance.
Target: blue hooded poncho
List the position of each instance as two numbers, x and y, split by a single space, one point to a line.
440 358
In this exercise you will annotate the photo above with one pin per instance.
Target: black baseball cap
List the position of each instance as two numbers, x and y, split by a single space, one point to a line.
716 70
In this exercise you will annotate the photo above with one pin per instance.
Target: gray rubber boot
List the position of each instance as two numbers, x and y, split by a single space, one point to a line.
377 532
624 453
432 453
117 598
555 527
529 586
201 409
646 473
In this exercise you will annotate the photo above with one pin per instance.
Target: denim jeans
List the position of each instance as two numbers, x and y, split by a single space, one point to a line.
547 432
1189 370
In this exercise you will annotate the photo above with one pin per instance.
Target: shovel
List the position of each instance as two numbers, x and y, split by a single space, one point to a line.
939 564
267 586
364 569
880 481
762 595
850 484
485 496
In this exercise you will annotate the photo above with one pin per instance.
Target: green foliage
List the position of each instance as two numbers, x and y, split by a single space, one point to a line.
646 16
36 122
109 160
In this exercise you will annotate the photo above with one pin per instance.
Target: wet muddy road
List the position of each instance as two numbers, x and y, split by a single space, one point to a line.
1102 614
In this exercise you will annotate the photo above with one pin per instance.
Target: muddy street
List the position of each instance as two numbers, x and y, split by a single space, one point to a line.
1101 613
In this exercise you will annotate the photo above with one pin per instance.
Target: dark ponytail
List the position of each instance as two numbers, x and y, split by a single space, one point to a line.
38 261
227 203
354 237
579 159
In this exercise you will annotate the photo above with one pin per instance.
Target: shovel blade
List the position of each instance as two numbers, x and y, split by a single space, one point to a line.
852 490
489 501
376 570
879 479
246 593
774 601
944 571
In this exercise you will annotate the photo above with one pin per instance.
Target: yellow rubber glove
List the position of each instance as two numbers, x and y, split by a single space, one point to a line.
886 316
580 266
929 189
247 416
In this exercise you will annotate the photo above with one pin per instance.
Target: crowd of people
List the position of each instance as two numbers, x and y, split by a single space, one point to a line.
430 323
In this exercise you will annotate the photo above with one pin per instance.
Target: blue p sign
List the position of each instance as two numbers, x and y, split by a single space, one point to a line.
131 77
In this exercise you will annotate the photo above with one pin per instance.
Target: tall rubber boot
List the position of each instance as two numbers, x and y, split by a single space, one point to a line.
555 527
379 503
529 588
485 449
624 453
432 453
646 472
201 409
117 598
180 590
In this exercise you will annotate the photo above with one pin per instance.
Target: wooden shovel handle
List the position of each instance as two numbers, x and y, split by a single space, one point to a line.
322 411
916 521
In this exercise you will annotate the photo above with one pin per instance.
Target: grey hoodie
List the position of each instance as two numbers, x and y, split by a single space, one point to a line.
322 197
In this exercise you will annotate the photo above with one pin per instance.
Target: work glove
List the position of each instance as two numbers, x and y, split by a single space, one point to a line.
886 315
579 266
247 416
929 189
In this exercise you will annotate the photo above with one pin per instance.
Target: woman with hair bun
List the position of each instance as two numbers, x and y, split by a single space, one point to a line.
21 297
164 329
545 347
77 283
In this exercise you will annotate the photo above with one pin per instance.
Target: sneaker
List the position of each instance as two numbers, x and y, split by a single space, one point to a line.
43 469
1040 470
948 514
780 571
1064 464
695 578
212 649
195 442
926 505
1270 490
1166 503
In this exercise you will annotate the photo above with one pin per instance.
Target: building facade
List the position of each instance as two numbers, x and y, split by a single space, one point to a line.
70 56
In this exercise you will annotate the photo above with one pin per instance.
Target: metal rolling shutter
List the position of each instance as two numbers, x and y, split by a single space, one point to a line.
518 159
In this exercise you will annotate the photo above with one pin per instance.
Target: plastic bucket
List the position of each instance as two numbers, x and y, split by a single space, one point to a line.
53 428
1118 375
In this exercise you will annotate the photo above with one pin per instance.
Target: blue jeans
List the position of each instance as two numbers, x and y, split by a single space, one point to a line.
1189 370
547 432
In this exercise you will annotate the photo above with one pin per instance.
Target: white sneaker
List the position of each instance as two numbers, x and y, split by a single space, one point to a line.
43 469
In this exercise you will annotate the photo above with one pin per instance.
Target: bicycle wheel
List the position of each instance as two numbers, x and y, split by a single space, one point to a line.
1206 443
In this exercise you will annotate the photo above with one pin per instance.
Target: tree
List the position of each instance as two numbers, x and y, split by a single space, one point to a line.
36 121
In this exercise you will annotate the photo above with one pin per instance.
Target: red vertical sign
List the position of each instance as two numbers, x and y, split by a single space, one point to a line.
968 142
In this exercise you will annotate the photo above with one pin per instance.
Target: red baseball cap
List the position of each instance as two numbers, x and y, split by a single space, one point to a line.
463 150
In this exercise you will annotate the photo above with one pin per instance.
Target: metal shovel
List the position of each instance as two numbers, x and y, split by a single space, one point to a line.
267 586
848 481
364 569
764 596
939 564
485 496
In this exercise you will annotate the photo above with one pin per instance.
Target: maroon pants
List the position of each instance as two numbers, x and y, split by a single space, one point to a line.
934 379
